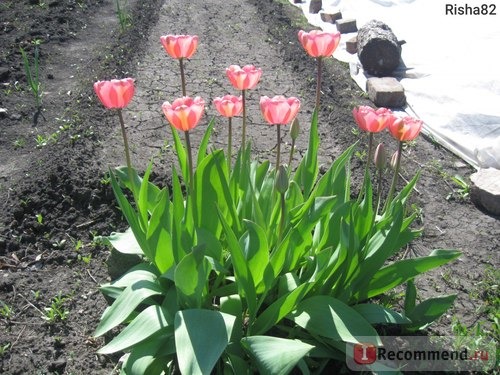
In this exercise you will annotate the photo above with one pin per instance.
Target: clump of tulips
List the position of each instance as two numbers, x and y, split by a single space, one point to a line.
258 268
402 129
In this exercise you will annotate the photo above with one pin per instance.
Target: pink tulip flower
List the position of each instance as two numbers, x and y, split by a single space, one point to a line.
229 105
245 78
319 43
279 110
184 113
116 93
405 129
371 120
180 46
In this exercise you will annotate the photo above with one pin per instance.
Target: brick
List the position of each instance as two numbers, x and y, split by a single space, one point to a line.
345 26
330 17
385 92
351 45
485 190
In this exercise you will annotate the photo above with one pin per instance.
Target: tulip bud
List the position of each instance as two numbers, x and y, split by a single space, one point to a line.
394 160
295 129
380 157
281 183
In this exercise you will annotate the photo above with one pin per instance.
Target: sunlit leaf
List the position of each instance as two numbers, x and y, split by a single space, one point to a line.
279 309
147 323
191 278
202 149
125 304
430 310
399 272
377 314
124 242
274 355
306 173
331 318
256 252
158 234
201 336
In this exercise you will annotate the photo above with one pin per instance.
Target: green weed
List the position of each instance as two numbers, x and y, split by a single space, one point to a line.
56 311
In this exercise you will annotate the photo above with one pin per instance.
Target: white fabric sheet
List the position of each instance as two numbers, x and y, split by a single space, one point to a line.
450 69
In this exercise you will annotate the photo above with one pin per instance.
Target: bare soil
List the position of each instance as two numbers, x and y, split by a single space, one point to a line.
55 196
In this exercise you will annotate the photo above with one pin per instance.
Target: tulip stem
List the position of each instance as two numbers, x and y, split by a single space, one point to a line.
278 148
229 143
183 79
370 150
282 218
395 177
127 153
190 162
367 166
244 127
318 82
379 190
291 155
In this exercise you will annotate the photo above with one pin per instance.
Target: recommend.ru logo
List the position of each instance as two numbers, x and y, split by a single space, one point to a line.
421 353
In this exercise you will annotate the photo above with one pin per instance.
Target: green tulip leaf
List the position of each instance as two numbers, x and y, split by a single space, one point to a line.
202 149
306 173
181 154
275 355
401 271
430 310
140 272
279 309
191 278
201 336
151 356
158 234
376 314
331 318
124 242
125 304
256 252
147 323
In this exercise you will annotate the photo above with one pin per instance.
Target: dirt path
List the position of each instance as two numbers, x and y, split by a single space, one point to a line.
57 196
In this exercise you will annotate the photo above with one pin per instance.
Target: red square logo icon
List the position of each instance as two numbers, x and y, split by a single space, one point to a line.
364 353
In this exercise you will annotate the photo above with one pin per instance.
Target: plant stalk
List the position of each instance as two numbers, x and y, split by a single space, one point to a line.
183 78
229 142
127 153
282 218
278 150
395 177
244 127
190 162
379 191
291 155
370 150
367 166
318 82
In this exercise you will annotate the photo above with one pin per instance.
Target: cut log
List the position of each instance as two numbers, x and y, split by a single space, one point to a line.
315 6
378 49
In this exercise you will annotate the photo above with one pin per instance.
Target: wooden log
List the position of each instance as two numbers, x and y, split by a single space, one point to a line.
315 6
378 49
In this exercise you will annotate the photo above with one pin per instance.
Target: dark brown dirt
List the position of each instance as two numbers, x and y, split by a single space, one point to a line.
55 197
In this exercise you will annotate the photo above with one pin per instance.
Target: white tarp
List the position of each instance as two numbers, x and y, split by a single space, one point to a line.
451 67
